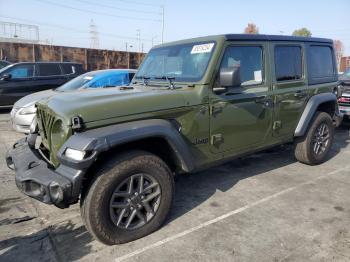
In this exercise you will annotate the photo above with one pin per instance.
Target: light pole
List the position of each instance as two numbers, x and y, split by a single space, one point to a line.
163 23
138 34
153 37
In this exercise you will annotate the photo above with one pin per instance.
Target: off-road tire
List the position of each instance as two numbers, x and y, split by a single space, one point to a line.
304 151
95 202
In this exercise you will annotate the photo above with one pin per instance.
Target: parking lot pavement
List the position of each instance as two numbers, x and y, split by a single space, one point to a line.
265 207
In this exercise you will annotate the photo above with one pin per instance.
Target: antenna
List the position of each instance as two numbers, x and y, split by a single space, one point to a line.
93 35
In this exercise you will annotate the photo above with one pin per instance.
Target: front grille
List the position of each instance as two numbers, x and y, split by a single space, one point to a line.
45 123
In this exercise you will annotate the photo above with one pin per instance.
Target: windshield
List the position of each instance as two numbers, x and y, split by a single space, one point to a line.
4 69
187 62
96 80
76 83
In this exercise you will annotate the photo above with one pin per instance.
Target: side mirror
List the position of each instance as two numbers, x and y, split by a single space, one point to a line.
6 77
230 76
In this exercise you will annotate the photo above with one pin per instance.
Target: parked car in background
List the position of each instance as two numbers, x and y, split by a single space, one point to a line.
23 111
21 79
4 63
345 77
344 100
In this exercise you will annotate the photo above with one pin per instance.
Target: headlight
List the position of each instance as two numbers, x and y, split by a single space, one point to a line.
74 154
58 135
28 110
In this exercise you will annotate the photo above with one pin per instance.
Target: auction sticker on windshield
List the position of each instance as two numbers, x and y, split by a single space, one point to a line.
203 48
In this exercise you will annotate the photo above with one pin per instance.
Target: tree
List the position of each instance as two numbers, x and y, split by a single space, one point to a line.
339 51
302 32
251 29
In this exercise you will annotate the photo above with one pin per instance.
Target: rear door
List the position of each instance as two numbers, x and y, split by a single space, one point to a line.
289 85
49 76
21 83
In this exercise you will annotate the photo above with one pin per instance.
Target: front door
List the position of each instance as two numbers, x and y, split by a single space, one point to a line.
241 117
290 87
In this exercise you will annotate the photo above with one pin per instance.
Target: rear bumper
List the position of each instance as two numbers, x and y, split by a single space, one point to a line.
37 179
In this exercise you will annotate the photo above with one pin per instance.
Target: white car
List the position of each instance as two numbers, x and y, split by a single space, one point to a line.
23 111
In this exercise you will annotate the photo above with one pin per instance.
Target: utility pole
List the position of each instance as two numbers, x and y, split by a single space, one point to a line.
153 37
93 35
138 34
163 23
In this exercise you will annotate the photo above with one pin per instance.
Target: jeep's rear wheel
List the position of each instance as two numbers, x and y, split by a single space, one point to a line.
130 198
313 147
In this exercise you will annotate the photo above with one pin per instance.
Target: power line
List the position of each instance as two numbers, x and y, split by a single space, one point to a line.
138 3
74 29
118 8
96 12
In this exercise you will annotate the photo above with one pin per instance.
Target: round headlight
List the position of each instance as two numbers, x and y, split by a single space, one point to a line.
58 134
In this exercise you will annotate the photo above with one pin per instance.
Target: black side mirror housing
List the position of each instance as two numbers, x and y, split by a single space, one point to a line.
230 76
6 77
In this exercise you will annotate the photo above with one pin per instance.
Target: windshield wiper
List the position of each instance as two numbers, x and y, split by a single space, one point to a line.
169 78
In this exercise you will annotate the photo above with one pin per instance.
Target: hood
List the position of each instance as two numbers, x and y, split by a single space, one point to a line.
101 104
33 98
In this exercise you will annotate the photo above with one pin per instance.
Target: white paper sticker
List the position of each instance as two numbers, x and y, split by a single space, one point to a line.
257 76
204 48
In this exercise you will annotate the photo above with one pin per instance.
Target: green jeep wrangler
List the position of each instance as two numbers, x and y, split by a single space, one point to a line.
193 104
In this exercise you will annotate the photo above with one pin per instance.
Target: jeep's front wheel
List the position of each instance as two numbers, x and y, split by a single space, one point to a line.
130 198
313 147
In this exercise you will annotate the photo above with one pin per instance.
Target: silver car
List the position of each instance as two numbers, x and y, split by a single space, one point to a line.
23 111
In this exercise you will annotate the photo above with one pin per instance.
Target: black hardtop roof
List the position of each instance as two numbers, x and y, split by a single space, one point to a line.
254 37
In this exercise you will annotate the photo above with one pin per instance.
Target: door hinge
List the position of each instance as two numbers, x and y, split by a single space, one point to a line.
277 125
216 139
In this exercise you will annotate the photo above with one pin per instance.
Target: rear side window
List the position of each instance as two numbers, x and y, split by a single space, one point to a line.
68 69
288 63
321 62
49 69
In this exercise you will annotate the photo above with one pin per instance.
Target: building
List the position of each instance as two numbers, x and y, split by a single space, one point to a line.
344 63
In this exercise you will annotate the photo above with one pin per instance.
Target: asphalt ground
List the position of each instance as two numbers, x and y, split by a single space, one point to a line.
265 207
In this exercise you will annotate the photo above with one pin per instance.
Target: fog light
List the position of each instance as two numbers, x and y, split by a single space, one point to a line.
74 154
56 192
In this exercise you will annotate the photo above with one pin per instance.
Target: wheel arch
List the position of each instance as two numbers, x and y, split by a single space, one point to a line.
325 102
157 136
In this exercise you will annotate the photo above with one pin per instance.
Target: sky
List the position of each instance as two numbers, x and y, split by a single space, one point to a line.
120 23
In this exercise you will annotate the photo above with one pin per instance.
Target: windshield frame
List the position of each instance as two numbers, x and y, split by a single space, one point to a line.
153 78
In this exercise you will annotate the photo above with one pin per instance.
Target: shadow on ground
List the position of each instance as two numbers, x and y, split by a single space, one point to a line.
191 191
39 245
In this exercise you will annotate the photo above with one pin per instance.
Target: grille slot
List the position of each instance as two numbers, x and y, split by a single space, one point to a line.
47 121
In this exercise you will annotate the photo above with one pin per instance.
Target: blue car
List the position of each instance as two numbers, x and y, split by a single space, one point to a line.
23 111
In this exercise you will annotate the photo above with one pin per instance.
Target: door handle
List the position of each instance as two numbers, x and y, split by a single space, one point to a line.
264 100
300 94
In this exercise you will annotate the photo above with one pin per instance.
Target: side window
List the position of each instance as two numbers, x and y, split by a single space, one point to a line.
288 63
250 61
321 62
68 69
21 71
49 69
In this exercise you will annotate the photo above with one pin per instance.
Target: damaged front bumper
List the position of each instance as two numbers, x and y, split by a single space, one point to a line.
36 177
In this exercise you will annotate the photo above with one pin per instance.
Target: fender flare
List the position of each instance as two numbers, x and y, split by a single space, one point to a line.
310 110
105 138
